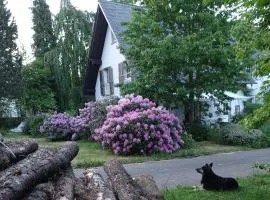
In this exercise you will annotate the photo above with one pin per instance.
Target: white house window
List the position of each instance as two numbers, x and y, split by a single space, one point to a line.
237 109
113 38
124 73
106 82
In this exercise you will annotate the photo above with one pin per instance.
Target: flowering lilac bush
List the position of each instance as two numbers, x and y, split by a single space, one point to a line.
137 125
57 127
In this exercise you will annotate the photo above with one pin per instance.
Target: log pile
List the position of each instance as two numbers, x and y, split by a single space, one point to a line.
31 173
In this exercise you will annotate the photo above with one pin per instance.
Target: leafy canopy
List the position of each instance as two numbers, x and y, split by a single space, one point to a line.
180 50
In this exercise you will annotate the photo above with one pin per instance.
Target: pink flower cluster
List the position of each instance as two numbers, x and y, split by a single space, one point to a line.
137 125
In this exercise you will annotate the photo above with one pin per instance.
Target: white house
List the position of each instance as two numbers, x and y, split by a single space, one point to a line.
107 66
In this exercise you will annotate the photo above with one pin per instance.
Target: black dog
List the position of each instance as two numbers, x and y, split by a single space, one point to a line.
211 181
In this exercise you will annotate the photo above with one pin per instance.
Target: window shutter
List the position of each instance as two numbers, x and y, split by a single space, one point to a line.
121 73
102 86
111 80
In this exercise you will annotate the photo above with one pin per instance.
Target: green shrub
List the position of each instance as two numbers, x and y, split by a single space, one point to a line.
234 134
263 142
198 131
33 124
265 128
189 142
214 134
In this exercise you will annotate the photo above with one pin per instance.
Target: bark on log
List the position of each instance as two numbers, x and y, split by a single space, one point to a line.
37 168
44 191
148 183
123 184
64 186
93 187
21 149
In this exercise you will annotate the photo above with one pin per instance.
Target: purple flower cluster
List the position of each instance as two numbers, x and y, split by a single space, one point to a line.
137 125
80 122
57 126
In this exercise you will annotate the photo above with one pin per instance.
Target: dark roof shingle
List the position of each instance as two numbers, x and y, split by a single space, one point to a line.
116 14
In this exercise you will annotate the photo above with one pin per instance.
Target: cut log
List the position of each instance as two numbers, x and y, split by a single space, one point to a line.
93 187
44 191
20 149
37 168
148 183
64 186
123 184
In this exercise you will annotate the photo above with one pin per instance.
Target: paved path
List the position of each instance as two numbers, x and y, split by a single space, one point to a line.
169 173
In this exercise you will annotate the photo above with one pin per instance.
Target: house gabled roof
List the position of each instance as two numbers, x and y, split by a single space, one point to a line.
108 14
116 14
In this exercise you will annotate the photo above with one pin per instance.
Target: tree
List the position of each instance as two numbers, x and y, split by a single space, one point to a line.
69 58
44 39
37 93
182 50
10 59
253 35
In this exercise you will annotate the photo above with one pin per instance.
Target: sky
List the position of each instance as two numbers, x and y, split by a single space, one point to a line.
20 10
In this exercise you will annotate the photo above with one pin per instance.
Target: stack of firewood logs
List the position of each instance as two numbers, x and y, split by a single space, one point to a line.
31 173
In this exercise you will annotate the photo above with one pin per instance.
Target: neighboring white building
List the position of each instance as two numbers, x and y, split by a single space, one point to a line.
107 66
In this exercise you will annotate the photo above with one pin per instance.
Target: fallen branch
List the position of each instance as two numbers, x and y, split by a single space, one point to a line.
37 168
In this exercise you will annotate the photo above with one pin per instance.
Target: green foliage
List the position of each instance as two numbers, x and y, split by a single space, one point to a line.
189 142
234 134
38 82
258 117
69 58
10 60
198 131
33 124
248 109
184 48
265 128
44 39
263 166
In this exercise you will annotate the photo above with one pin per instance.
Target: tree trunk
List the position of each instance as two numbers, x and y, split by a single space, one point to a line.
37 168
20 149
123 184
64 187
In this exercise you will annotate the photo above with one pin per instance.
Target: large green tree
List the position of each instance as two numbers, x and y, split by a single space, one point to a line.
69 58
44 39
181 50
37 90
10 59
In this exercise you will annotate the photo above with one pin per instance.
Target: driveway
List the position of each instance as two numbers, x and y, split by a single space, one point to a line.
169 173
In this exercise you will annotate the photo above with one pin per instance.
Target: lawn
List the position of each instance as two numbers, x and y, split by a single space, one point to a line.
255 187
92 154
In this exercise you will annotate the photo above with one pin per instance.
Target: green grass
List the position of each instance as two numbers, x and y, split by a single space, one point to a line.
92 154
255 187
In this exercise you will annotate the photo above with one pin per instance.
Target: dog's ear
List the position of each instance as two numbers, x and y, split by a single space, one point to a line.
211 164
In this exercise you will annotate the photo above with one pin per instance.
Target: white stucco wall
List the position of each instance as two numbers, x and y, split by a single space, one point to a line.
256 88
111 57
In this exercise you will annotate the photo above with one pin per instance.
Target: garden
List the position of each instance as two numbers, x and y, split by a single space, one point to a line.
135 129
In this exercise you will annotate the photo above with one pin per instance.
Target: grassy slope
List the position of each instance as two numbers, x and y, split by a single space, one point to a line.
92 154
255 187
